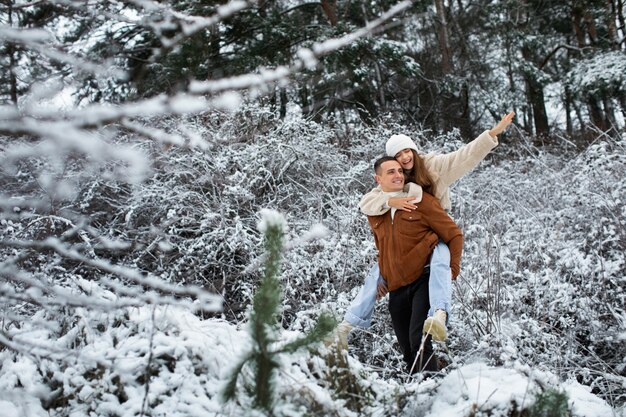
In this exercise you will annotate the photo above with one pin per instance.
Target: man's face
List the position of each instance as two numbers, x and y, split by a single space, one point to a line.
390 176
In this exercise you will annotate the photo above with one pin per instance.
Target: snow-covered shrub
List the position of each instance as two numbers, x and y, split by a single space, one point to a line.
544 263
542 282
165 361
126 361
602 73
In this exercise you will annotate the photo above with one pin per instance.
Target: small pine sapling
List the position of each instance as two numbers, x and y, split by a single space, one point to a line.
550 403
264 324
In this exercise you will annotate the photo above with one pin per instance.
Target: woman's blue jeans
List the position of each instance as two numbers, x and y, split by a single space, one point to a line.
439 289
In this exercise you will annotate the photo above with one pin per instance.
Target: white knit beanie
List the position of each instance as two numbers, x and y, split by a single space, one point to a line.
396 143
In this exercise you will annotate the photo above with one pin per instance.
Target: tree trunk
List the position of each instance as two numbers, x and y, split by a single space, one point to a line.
596 114
579 115
214 53
379 86
365 106
622 102
569 126
330 10
304 98
12 68
261 8
528 119
577 26
619 9
283 102
609 113
451 108
465 124
537 102
534 92
610 23
12 61
591 27
442 36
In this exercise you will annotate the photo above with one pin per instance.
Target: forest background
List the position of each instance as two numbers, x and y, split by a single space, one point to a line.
140 140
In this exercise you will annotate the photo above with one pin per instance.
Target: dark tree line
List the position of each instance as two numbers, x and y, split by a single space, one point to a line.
440 64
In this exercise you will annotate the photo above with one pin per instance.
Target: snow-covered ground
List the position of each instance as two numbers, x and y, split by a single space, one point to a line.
191 359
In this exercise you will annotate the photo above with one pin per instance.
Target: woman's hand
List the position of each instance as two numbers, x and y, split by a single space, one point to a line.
402 203
381 290
502 124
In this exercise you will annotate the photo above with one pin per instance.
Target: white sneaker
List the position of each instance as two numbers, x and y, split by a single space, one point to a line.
436 326
339 335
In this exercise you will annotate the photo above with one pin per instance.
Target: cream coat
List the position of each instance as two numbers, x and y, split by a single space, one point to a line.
445 169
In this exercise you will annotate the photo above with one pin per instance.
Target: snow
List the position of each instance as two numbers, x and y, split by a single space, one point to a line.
264 77
317 231
9 409
214 346
308 58
583 402
229 101
271 218
481 386
128 266
26 35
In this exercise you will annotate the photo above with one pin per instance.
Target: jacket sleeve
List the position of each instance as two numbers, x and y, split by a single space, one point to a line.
454 165
448 231
374 203
413 190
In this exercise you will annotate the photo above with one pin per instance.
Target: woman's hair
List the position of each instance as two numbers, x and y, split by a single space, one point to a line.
420 175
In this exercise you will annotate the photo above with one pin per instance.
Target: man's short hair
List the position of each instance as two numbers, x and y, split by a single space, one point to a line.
380 161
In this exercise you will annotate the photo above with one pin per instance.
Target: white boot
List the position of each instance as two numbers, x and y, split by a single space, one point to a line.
339 335
436 326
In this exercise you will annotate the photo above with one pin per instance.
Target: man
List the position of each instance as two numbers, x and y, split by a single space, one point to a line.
405 241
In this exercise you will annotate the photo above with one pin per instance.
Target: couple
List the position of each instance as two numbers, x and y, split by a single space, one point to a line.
419 246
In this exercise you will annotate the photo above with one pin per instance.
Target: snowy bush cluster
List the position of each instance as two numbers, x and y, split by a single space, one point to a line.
544 263
127 294
610 78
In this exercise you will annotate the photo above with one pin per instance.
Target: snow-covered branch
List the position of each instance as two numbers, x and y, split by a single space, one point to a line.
194 24
205 300
42 42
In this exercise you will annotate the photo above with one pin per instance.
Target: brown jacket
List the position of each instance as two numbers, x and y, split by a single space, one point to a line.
406 242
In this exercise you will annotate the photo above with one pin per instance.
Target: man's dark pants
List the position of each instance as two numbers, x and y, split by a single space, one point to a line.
408 307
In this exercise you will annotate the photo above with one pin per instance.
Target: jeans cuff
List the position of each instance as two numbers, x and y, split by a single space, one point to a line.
357 321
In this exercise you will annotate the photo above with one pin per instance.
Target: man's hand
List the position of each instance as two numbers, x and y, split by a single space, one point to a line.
502 124
381 290
402 203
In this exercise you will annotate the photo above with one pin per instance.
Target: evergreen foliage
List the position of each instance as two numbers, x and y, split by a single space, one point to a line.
265 327
347 384
550 403
441 66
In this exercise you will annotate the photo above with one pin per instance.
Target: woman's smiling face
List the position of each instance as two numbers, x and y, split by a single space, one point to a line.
405 158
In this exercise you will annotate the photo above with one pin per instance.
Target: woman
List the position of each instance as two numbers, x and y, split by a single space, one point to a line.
434 173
